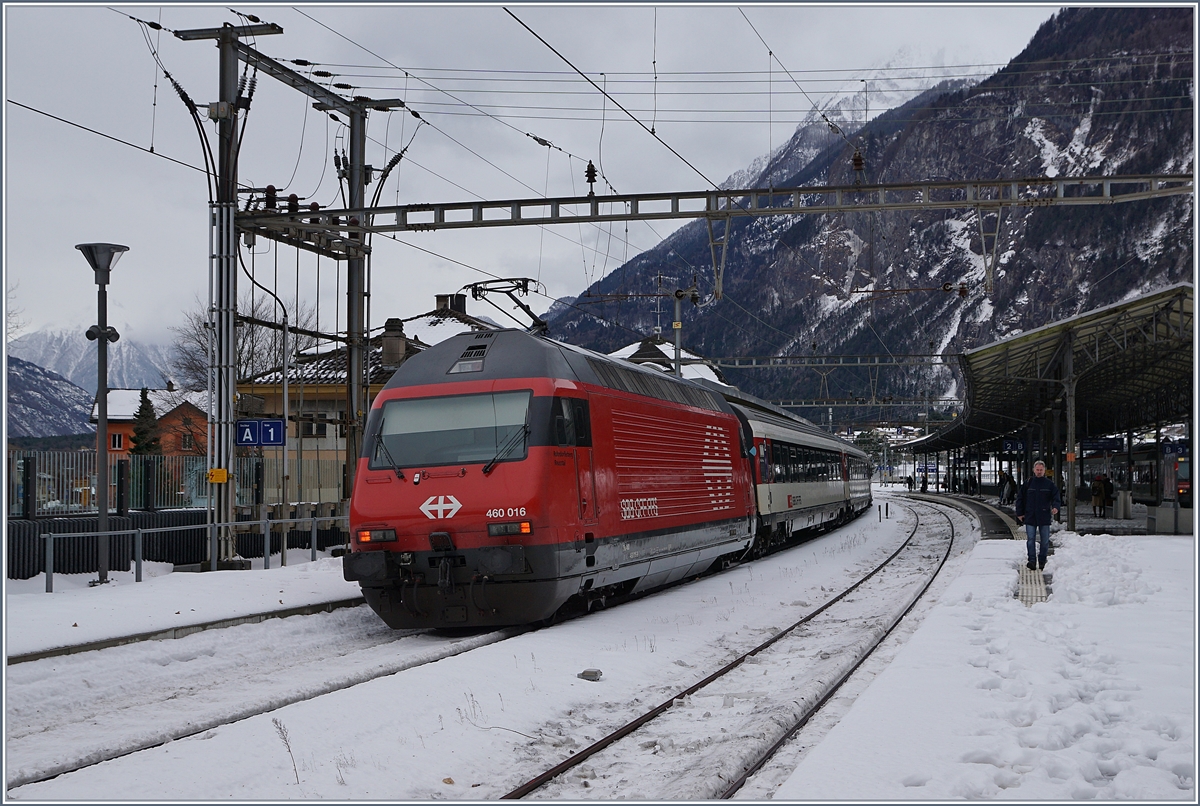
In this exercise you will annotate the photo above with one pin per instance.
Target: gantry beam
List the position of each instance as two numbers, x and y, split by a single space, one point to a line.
850 402
784 361
723 204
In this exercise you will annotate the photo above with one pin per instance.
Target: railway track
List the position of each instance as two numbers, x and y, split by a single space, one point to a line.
71 712
804 664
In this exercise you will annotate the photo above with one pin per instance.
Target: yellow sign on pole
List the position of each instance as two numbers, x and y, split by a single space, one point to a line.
218 475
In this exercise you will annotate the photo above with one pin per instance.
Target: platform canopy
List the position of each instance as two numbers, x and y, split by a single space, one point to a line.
1131 362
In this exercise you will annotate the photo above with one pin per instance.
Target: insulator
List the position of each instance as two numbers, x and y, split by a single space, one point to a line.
302 62
589 173
860 164
323 73
272 197
293 203
253 18
314 207
413 112
341 86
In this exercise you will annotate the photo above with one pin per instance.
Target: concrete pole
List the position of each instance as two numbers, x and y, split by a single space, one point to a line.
224 302
355 308
677 326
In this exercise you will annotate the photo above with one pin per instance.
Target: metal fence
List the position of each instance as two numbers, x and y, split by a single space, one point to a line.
69 546
43 484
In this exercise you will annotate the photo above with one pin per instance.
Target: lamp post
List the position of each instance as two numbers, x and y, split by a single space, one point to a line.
102 257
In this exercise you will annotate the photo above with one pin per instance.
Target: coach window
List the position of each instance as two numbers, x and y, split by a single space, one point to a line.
571 422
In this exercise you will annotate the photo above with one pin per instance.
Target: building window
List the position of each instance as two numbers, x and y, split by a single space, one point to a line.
185 442
116 442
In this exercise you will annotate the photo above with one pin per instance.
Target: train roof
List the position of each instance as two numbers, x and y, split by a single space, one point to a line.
512 353
774 426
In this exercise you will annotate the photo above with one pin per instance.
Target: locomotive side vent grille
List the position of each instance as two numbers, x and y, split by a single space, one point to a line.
657 386
474 351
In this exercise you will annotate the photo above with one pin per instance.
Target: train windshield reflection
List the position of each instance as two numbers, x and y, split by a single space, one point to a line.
450 430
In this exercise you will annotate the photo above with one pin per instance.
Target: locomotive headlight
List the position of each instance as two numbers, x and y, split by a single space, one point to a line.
519 528
376 535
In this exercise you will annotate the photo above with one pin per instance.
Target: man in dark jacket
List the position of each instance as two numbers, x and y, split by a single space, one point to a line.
1037 502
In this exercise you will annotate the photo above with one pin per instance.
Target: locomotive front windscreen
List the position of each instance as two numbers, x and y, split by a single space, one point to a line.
451 430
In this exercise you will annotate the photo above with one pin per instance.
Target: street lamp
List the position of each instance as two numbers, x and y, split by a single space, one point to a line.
102 257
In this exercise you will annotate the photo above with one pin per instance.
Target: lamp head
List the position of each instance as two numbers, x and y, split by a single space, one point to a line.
102 257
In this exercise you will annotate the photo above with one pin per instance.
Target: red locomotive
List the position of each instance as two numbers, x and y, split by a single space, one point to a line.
504 474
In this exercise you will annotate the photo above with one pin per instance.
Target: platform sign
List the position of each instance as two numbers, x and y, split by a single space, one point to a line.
273 432
251 433
1110 445
1177 449
248 433
1018 445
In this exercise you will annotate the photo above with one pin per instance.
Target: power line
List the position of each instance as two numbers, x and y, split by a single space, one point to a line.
618 105
109 137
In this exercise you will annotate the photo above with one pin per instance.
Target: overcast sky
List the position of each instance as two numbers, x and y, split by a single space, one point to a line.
719 100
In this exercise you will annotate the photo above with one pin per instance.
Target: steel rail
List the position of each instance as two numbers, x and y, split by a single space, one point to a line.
578 758
837 686
453 647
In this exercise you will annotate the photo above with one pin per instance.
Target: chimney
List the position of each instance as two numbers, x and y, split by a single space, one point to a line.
394 343
453 302
170 385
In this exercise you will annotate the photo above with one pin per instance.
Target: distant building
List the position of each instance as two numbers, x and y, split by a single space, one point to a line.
182 420
660 354
317 392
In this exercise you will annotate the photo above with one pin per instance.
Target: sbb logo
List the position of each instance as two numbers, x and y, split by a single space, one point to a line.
440 506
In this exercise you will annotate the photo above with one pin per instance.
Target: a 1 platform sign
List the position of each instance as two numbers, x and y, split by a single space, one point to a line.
268 433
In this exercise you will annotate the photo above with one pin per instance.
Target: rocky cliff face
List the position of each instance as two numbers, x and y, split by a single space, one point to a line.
41 403
1096 92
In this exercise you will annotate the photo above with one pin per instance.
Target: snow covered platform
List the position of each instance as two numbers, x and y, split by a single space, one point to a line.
164 605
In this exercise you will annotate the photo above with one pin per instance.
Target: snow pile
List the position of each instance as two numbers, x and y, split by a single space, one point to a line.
1089 695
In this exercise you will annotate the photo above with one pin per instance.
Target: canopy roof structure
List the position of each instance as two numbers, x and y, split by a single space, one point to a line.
1131 364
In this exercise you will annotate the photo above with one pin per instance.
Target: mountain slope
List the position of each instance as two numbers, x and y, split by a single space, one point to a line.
1096 92
42 403
131 365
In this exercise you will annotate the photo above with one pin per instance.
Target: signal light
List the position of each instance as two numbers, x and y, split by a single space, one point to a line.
376 535
502 529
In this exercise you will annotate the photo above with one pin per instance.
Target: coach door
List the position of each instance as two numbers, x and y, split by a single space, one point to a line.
573 428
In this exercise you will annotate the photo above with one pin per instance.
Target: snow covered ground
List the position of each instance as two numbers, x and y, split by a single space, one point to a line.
1089 695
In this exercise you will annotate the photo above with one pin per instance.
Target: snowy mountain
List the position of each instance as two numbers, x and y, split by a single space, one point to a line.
131 365
42 403
1100 91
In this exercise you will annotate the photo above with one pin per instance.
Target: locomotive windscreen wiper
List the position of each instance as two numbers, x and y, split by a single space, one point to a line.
507 447
379 443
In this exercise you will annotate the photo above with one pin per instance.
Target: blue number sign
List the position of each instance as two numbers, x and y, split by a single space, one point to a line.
273 432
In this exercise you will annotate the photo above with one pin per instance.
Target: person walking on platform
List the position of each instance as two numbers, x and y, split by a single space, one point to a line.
1037 503
1097 489
924 482
1109 495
